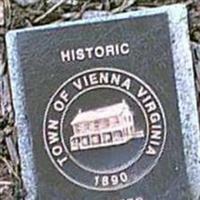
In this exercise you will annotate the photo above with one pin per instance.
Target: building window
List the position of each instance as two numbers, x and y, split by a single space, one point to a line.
107 124
96 139
127 131
91 126
131 129
77 128
87 126
107 137
103 123
75 143
114 121
96 125
85 141
130 118
117 135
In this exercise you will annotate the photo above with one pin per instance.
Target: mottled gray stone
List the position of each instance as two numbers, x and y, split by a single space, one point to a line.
186 92
30 2
24 138
70 2
184 78
95 14
26 2
2 21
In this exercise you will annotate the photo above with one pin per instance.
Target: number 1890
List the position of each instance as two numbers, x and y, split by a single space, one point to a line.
111 180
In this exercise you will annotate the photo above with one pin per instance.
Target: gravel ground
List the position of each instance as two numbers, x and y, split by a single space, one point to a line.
16 15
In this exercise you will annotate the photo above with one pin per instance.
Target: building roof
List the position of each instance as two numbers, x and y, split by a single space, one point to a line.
100 113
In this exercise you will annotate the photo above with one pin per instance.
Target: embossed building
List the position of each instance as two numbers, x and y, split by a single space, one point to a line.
102 127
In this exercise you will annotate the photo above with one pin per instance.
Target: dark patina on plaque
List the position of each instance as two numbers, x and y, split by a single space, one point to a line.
102 107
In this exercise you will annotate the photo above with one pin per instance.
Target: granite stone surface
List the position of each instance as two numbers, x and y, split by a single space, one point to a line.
2 21
50 83
26 2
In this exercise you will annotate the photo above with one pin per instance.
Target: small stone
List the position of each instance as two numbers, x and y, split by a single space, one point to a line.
95 14
69 2
26 2
69 15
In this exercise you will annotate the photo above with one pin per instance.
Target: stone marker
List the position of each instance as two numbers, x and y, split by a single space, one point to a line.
106 108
